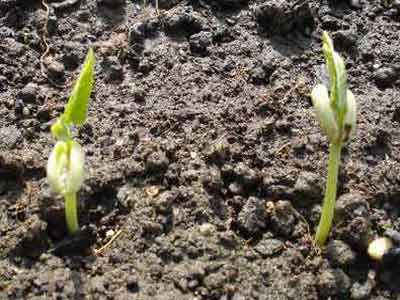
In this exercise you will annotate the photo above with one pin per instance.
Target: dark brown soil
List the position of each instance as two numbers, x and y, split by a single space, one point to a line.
202 148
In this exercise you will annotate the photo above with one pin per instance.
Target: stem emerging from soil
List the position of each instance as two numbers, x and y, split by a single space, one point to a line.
328 208
71 213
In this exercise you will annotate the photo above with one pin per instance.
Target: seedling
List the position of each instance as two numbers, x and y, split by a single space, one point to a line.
65 167
336 113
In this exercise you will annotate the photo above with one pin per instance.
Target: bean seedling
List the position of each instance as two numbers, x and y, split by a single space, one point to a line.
336 113
65 167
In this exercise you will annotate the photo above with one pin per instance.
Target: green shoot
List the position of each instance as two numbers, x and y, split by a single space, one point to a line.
65 167
336 113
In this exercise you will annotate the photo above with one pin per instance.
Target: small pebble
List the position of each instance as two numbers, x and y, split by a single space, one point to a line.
113 69
333 282
269 247
207 229
340 254
384 77
56 70
111 3
361 291
10 136
29 92
356 3
379 247
110 233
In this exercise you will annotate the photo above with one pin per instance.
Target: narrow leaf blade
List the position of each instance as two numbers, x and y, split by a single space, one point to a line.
77 106
338 77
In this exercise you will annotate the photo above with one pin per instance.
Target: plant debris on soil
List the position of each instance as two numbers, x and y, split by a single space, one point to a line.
205 163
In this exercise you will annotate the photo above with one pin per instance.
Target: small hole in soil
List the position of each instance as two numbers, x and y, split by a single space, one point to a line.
101 203
132 286
396 115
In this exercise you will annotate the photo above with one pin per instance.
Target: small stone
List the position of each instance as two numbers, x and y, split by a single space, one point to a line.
346 39
331 22
113 69
235 188
111 3
132 284
57 5
361 291
393 234
44 114
145 65
31 237
84 15
212 180
283 218
137 34
258 75
3 83
379 247
246 176
199 42
218 152
350 206
252 217
207 229
29 92
71 56
26 111
110 233
152 191
139 94
9 137
333 282
309 188
269 247
356 3
96 285
163 204
157 161
56 70
184 18
6 32
230 3
167 4
214 281
340 254
357 233
385 77
52 24
284 16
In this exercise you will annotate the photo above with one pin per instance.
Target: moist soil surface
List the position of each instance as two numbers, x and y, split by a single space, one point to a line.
206 166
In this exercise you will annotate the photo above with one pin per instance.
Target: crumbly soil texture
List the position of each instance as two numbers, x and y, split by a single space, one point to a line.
205 164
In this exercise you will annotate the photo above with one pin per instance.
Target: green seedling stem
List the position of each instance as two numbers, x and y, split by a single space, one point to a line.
71 212
336 113
65 167
328 209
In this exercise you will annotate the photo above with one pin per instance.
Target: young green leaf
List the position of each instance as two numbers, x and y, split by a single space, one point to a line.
60 131
338 78
77 106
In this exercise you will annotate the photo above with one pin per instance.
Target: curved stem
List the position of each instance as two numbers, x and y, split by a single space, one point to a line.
71 213
328 208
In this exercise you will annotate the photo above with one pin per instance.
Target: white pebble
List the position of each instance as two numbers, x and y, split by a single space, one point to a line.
379 247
